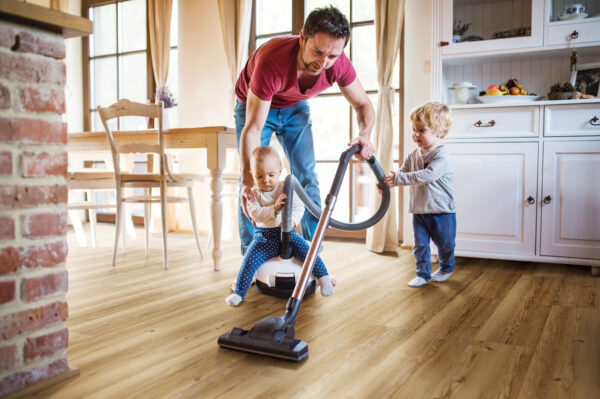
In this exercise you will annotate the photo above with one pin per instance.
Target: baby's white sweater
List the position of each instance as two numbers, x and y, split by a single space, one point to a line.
262 210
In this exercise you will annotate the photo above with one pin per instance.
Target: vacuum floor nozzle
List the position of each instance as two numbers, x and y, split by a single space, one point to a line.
282 347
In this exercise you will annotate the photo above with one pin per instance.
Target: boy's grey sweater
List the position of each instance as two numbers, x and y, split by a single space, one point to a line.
429 177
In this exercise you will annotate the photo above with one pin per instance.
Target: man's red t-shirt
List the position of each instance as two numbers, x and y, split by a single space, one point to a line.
271 74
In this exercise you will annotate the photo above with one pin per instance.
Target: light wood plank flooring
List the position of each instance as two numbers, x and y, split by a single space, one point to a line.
496 329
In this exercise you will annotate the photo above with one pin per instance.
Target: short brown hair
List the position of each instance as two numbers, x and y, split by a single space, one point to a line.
264 152
329 20
434 115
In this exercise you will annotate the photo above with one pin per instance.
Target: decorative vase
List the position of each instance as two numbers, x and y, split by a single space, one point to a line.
456 38
170 118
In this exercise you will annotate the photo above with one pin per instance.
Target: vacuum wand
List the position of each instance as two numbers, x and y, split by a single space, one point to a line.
311 257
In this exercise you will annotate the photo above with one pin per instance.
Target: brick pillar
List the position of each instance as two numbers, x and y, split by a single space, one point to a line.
33 196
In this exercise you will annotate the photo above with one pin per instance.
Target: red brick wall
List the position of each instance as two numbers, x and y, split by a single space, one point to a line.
33 195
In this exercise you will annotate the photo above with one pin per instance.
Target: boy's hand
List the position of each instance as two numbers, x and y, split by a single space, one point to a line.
280 202
389 180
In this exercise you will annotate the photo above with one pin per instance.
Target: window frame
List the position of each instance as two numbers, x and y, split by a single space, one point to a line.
87 90
299 14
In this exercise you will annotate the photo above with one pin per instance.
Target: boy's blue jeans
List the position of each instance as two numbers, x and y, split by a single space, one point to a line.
293 128
441 229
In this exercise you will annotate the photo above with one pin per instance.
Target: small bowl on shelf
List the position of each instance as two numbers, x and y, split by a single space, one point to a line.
566 95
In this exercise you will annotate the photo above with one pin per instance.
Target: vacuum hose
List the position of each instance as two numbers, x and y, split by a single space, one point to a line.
292 184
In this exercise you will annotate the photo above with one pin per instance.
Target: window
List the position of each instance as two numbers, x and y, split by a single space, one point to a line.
334 122
117 61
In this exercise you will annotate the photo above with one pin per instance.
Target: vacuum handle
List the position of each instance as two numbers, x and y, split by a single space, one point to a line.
342 166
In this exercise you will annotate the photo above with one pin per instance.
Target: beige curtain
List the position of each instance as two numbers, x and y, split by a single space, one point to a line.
159 22
235 26
389 16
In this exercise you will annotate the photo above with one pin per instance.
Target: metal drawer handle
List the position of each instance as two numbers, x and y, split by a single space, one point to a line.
547 199
480 124
574 35
530 200
594 120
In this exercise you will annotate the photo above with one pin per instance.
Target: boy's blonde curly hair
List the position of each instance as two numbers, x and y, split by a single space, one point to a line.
434 115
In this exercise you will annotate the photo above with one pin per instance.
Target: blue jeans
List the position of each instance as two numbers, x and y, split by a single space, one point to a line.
441 229
293 128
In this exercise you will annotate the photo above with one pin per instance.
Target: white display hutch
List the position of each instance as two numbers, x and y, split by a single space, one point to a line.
527 174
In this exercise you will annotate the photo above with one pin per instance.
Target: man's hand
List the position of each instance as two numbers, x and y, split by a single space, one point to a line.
367 149
280 202
247 195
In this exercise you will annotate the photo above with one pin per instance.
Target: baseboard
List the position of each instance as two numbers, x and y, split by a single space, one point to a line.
32 389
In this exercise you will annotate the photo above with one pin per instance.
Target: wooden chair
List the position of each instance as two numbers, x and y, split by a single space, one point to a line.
88 180
84 183
160 180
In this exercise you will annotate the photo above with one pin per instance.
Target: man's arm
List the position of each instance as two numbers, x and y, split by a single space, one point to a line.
365 116
256 115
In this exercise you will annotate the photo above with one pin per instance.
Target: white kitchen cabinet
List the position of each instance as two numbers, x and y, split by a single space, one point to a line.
570 205
490 19
526 174
495 190
529 196
566 120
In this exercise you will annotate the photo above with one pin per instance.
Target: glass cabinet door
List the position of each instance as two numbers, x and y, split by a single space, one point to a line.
489 25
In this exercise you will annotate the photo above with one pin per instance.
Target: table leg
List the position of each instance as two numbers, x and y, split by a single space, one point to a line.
216 214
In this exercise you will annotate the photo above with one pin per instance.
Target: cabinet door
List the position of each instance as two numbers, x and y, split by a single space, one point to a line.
571 199
518 23
493 182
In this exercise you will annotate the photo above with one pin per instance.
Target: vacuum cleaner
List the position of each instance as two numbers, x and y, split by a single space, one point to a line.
274 336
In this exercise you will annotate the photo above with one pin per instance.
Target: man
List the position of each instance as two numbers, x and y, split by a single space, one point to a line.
272 91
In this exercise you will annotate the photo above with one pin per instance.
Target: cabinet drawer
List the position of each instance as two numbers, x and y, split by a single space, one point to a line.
561 34
572 120
495 122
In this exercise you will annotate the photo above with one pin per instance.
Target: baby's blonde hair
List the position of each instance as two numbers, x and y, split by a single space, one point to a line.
264 153
434 115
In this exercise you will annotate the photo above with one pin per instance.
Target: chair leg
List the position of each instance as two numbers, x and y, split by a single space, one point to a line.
163 214
92 216
118 223
129 224
78 228
194 221
124 216
147 221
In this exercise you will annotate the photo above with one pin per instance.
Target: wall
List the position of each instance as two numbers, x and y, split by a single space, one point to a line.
33 218
74 87
205 93
417 79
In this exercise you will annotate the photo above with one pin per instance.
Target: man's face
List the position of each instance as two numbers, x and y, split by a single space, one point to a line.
320 51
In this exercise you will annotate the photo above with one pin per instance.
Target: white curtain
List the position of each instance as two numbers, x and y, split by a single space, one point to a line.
159 22
235 26
389 16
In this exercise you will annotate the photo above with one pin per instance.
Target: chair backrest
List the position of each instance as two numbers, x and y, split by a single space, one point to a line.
130 108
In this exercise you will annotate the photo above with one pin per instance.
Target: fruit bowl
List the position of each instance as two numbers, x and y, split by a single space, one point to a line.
506 99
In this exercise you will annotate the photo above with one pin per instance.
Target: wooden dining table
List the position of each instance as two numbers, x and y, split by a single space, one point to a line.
216 140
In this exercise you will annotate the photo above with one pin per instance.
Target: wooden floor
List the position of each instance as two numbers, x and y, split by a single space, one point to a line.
496 329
